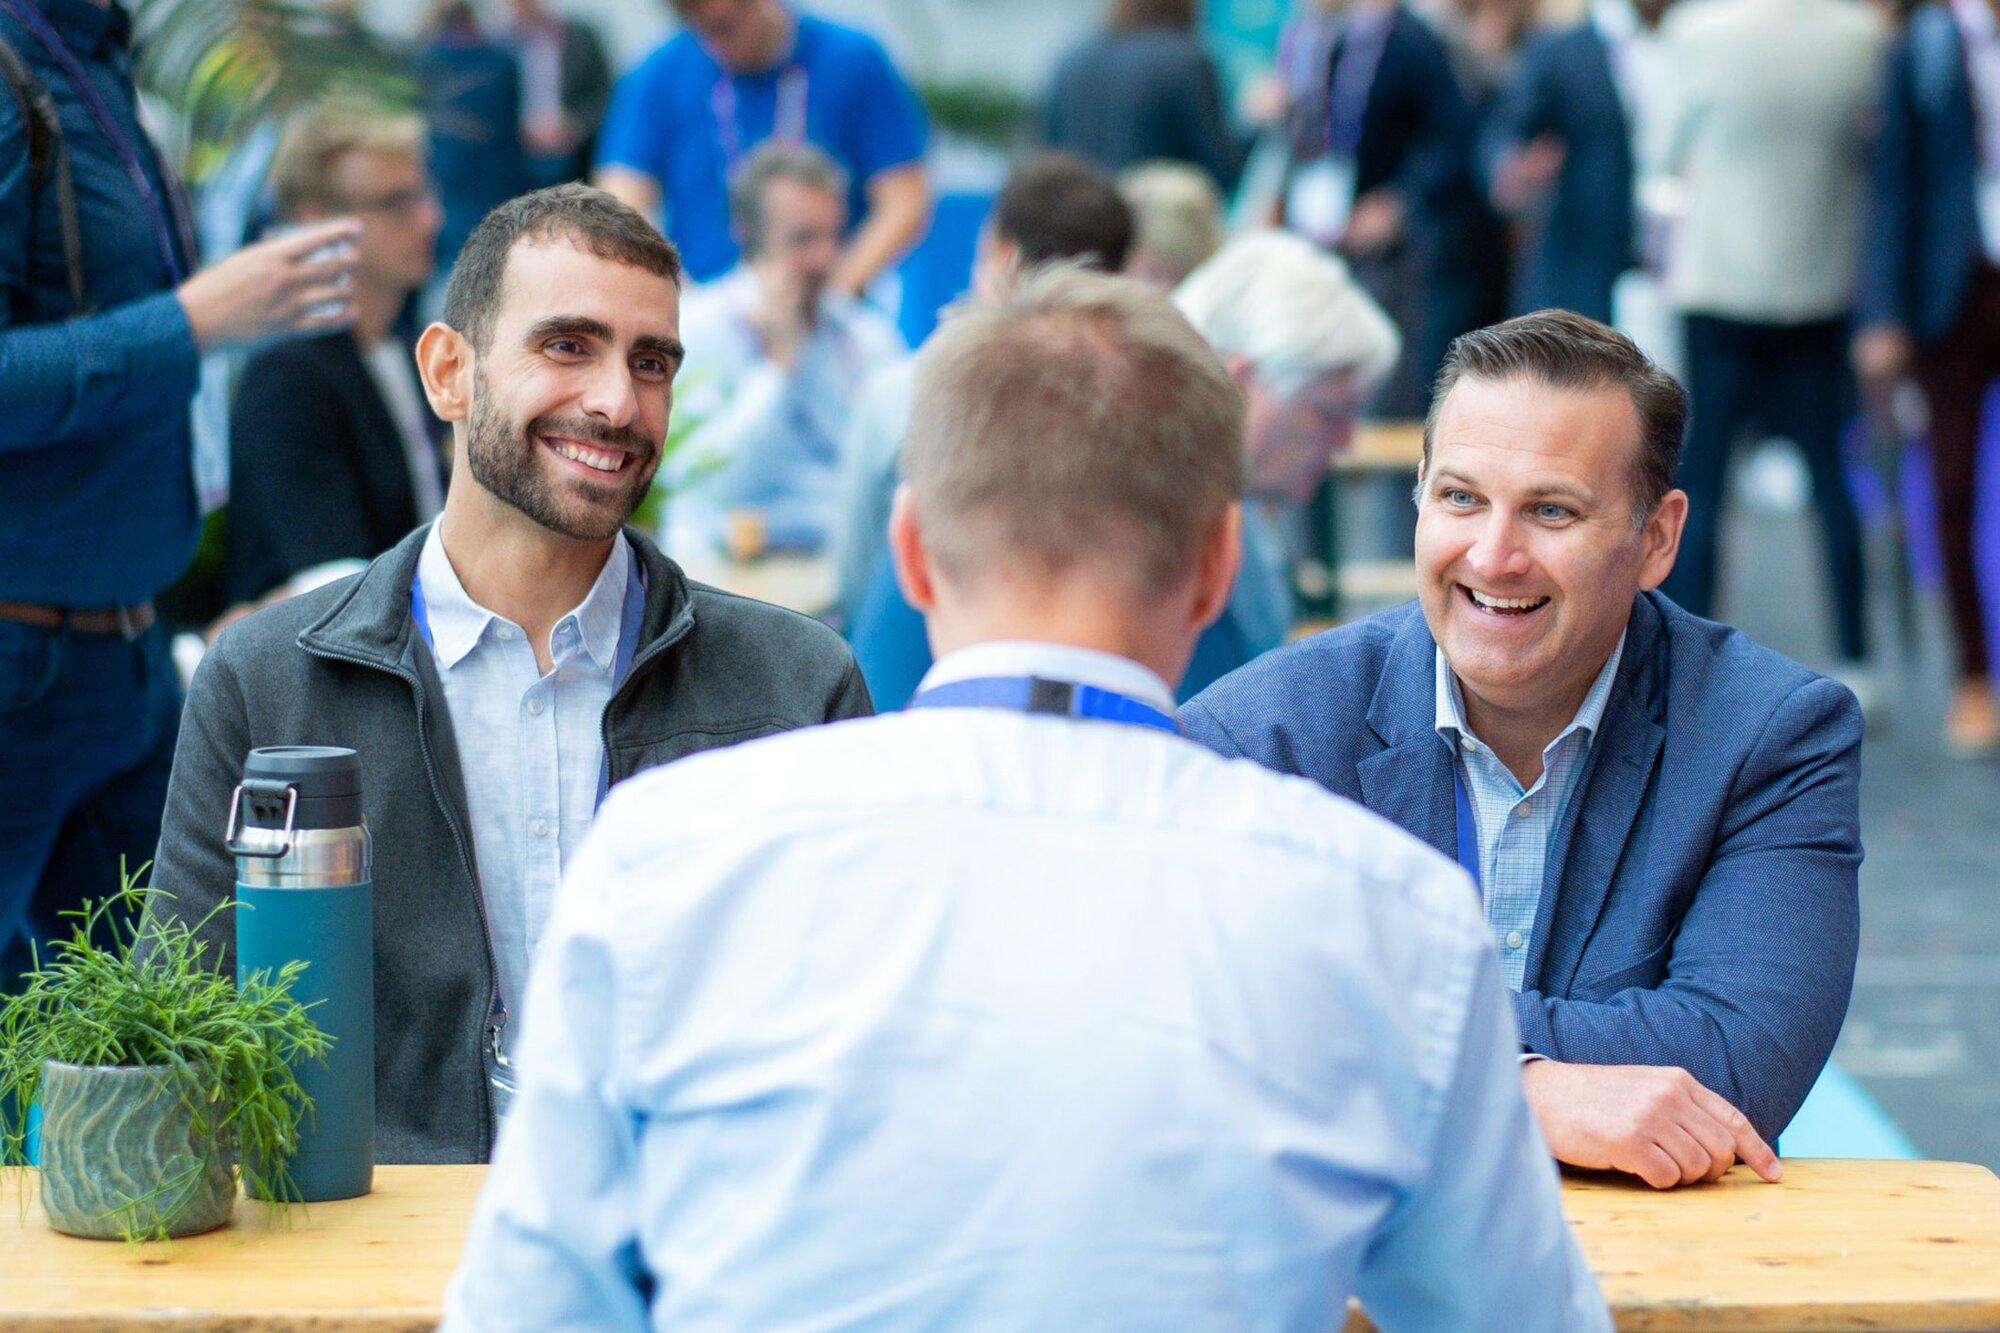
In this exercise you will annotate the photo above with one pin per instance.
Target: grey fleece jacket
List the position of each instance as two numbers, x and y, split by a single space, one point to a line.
343 665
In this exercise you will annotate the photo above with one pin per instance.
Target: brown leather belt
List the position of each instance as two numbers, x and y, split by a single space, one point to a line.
127 622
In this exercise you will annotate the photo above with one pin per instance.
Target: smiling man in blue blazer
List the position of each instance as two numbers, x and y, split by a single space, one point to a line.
1662 816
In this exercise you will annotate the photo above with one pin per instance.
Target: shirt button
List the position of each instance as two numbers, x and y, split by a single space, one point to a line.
506 634
1515 939
535 707
540 827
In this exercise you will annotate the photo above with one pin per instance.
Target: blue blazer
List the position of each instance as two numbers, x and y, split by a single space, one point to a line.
1563 85
1923 245
1700 903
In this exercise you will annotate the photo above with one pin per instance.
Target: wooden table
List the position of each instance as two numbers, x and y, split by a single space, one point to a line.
1382 447
807 583
1906 1245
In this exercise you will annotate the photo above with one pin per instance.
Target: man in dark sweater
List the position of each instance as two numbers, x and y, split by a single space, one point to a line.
498 670
332 450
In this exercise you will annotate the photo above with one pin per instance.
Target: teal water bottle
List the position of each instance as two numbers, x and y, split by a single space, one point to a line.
303 891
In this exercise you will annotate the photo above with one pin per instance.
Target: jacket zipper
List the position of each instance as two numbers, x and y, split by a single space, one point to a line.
496 1013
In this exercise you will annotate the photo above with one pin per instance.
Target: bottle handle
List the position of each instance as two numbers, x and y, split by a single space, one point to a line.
272 790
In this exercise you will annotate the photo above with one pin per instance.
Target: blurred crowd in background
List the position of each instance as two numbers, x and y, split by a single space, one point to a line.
1794 205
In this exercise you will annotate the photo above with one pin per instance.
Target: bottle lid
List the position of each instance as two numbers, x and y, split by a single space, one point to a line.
327 779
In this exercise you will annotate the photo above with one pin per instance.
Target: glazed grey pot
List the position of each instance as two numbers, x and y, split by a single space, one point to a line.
120 1156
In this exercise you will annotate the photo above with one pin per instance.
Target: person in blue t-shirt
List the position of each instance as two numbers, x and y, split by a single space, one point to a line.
741 72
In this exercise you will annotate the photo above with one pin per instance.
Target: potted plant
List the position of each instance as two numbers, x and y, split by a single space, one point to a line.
153 1073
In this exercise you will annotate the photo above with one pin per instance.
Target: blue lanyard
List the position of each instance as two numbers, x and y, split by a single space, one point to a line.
1034 694
631 622
166 218
788 115
1468 832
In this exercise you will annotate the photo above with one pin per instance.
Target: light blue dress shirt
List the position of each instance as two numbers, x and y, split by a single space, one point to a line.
767 438
530 746
969 1019
1516 826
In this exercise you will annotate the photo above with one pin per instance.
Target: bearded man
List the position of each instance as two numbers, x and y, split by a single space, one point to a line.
499 669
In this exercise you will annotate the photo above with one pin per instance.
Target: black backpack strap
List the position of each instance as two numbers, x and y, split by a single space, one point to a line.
48 155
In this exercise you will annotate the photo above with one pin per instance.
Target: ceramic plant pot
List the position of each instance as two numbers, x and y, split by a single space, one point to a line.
121 1158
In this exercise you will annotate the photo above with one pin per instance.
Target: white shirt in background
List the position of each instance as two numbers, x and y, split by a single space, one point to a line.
1769 109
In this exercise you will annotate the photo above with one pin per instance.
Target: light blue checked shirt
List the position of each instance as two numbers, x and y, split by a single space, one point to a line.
1515 827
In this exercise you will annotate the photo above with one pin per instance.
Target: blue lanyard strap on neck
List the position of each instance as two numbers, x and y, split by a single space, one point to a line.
1468 832
1035 694
631 624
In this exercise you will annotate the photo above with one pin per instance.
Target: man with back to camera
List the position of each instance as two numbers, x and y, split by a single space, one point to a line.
1018 1009
743 72
1662 816
779 358
498 669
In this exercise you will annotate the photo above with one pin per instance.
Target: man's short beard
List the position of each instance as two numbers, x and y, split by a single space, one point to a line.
503 461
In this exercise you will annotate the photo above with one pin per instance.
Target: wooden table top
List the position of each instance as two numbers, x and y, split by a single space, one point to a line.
1383 446
1906 1245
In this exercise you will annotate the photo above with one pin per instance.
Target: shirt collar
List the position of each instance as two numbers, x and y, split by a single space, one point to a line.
1451 723
457 622
1052 661
88 27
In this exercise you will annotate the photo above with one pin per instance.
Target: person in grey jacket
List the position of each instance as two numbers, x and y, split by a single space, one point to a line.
499 669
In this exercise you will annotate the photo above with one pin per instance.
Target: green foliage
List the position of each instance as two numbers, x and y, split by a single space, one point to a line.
225 66
132 988
980 110
674 472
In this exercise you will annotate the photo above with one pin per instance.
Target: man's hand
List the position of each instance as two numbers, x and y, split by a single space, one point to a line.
275 288
1375 224
1527 172
1654 1122
1882 355
784 313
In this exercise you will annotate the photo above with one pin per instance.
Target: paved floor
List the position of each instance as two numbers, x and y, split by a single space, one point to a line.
1923 1032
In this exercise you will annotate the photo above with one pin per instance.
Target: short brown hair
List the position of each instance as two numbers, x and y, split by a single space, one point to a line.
1079 421
585 216
1565 350
774 160
318 135
1054 205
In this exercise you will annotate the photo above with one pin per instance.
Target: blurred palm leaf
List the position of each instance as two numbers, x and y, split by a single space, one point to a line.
227 66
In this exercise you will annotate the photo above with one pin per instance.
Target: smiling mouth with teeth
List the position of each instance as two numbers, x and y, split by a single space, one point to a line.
1504 606
598 460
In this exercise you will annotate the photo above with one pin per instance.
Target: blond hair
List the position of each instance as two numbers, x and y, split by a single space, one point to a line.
1177 217
1078 422
319 135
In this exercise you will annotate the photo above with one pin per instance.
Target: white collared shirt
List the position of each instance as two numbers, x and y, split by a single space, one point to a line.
530 747
974 1019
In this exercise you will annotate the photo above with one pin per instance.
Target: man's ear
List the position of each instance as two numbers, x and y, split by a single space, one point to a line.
444 363
906 550
1215 570
1662 538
